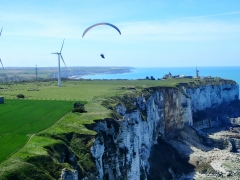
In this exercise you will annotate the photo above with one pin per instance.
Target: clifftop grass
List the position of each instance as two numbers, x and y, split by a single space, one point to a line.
94 90
71 132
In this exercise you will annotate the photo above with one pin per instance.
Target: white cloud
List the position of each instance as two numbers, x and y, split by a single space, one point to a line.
58 26
179 27
181 30
214 15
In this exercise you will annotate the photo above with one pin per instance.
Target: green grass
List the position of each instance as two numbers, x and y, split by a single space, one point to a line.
71 128
75 122
22 118
19 119
84 90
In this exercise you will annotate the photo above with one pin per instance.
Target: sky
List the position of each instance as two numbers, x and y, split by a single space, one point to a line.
155 33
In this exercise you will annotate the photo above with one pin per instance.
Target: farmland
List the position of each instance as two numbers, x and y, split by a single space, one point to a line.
22 118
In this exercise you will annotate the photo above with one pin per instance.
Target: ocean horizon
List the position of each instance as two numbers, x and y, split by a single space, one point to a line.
226 72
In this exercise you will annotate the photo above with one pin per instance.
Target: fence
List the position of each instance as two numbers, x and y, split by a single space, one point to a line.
35 98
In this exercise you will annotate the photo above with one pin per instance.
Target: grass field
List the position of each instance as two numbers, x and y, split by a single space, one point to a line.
46 104
84 90
22 118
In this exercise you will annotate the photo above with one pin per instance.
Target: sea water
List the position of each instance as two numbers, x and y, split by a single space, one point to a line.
226 72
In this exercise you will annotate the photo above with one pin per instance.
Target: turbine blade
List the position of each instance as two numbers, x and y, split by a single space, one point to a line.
63 61
1 63
1 31
62 45
54 53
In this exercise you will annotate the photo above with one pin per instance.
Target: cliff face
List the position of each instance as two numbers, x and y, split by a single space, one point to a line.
122 148
210 96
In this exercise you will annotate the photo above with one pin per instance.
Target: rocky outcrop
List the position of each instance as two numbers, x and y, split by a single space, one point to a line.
69 175
122 148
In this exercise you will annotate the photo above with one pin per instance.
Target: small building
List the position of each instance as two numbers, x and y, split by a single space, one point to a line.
169 75
182 76
175 76
1 100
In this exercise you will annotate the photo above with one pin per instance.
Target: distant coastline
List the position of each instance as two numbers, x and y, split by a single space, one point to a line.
131 70
10 74
230 72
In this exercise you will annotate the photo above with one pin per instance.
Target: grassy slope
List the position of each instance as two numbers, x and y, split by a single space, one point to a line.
93 92
71 123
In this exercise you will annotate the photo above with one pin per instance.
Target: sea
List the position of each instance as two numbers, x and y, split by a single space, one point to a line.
226 72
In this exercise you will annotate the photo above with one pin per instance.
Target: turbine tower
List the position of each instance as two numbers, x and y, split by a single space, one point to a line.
1 31
36 72
60 56
1 63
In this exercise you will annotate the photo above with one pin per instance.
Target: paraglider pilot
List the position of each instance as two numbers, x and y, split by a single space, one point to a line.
102 55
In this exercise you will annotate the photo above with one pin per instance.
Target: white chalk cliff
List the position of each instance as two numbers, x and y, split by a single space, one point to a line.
122 148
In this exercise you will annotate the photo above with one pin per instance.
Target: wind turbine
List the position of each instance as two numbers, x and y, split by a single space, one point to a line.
1 31
60 56
1 63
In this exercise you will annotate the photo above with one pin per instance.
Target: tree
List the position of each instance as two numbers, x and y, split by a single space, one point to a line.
152 78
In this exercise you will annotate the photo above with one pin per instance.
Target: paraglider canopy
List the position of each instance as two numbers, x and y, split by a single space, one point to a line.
98 24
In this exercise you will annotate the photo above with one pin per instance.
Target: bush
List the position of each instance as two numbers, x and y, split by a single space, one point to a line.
77 104
80 109
20 96
152 78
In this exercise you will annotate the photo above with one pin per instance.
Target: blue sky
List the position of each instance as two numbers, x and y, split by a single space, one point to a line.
155 33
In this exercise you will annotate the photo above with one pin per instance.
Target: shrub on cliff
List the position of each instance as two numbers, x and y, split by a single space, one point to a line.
20 96
77 104
78 107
